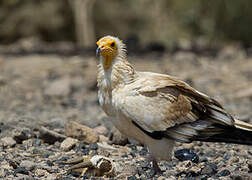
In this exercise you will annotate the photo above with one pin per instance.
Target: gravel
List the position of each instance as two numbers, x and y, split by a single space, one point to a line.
35 118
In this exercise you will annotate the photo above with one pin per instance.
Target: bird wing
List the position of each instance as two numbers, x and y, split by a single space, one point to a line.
163 106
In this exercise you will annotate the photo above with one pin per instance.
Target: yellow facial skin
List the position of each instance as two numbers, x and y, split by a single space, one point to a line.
108 50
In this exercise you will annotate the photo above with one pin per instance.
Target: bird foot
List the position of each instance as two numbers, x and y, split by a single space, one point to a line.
154 165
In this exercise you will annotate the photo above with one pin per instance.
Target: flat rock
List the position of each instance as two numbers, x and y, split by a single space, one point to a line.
68 143
50 136
29 165
21 170
81 132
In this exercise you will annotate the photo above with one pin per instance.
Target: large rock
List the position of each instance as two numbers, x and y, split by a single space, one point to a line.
81 132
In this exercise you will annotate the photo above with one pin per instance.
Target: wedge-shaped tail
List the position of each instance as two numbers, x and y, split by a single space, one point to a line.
241 133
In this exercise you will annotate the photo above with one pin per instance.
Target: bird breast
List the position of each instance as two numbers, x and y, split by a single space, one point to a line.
105 101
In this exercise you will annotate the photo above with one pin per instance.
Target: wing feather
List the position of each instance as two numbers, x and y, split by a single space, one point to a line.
161 103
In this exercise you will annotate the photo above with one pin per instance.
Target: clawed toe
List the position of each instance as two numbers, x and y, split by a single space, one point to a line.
154 165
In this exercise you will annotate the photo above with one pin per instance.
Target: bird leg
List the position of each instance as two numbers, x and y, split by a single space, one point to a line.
155 166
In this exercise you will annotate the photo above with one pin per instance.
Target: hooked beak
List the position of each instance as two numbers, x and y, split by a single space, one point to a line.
98 51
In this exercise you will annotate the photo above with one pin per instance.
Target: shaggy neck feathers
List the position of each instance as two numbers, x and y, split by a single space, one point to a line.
120 72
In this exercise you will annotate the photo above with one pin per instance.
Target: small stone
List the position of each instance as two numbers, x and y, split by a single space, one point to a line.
29 165
132 177
227 157
7 167
81 132
8 142
22 177
37 142
188 146
250 166
49 163
161 178
218 159
237 177
21 170
13 163
209 169
224 172
195 169
51 177
124 156
28 143
41 172
45 155
233 160
36 151
133 154
186 154
204 159
205 177
2 173
143 151
68 144
93 146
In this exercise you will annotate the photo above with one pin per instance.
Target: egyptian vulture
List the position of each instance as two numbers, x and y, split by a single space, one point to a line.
158 109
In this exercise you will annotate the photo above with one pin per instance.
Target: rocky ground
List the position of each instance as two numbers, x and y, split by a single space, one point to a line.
49 114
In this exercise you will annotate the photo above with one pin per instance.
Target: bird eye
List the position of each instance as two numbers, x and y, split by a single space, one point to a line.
112 44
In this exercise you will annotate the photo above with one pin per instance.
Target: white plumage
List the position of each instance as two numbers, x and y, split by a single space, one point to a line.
158 109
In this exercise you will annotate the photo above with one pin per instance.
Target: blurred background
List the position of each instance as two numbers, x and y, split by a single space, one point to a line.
48 64
167 23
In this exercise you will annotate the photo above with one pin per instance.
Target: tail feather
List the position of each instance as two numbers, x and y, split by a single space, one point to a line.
243 125
240 133
231 135
231 130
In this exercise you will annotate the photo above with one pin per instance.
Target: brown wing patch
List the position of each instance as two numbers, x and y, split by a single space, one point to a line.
179 109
